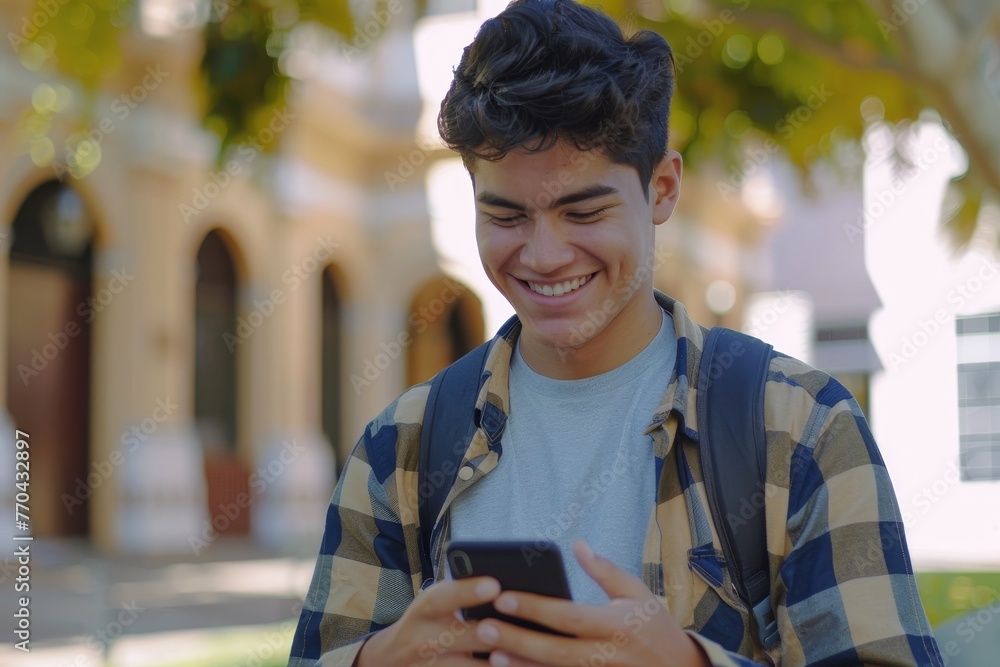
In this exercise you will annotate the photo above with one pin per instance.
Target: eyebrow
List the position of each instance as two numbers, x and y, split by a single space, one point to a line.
591 192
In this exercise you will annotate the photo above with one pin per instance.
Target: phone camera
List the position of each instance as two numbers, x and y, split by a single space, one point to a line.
460 564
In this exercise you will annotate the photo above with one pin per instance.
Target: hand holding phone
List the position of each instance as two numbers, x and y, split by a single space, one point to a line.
532 566
430 615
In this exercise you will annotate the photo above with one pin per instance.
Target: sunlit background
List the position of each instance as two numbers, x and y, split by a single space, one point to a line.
231 236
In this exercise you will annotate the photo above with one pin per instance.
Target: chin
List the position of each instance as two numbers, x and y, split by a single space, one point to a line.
558 336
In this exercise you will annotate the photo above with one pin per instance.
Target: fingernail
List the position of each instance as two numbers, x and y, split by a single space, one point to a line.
587 551
487 633
498 659
488 588
506 603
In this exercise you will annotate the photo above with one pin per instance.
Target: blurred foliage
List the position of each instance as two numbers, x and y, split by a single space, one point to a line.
807 75
80 38
749 72
949 595
244 42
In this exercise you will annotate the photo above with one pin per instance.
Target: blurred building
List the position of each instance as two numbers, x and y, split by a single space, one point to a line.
908 319
193 348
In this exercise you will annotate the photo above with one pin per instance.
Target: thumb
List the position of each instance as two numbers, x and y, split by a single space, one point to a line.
616 582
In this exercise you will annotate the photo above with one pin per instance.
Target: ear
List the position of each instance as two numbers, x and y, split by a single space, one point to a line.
665 186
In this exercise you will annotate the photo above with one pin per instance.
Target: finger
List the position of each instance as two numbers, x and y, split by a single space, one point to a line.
616 582
446 597
452 660
502 659
529 645
562 615
456 636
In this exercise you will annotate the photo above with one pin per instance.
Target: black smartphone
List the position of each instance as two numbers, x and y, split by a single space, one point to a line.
532 566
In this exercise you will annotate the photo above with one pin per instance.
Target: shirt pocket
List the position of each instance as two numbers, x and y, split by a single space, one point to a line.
720 615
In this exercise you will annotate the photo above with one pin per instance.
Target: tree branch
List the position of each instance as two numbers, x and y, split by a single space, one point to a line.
810 42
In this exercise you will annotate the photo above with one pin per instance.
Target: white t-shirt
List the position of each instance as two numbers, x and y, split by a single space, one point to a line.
575 463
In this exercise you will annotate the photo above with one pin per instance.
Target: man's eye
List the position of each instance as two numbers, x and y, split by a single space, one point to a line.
588 215
508 220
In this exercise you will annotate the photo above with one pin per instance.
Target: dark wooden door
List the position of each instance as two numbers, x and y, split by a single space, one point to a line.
48 388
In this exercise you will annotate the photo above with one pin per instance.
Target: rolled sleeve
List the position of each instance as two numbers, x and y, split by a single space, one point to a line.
362 581
848 595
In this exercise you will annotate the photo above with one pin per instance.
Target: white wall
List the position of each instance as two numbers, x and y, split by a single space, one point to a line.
924 282
878 253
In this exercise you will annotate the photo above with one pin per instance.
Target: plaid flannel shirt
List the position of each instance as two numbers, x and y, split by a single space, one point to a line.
842 586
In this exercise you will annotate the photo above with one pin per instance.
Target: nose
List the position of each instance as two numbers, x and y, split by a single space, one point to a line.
546 249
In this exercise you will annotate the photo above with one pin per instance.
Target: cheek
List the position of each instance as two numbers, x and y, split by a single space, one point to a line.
496 245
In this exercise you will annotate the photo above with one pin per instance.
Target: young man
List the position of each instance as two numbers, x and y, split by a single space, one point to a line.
592 440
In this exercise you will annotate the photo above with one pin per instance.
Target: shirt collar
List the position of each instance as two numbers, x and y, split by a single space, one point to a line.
492 404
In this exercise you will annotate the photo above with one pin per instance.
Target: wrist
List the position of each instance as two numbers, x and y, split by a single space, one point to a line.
694 653
371 648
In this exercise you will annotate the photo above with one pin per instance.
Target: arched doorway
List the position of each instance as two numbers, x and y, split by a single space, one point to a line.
216 385
331 363
50 308
445 322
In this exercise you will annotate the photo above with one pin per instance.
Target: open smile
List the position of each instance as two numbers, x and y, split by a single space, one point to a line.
558 289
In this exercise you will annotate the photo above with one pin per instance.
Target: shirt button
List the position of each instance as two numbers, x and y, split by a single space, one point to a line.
465 473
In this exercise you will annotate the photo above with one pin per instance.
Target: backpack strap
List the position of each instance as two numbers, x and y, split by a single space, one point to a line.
733 449
448 423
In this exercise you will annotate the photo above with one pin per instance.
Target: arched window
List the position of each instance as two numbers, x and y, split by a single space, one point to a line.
50 308
215 361
215 383
445 322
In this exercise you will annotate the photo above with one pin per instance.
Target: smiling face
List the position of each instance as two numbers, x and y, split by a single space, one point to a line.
567 237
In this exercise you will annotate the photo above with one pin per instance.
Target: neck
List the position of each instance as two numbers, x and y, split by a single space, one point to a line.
621 340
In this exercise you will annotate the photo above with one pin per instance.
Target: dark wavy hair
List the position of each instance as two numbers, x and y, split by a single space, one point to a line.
546 70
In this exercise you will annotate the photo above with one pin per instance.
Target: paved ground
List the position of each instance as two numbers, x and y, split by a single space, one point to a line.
88 611
233 606
973 640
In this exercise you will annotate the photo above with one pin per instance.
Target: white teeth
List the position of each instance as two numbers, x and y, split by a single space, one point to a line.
560 288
